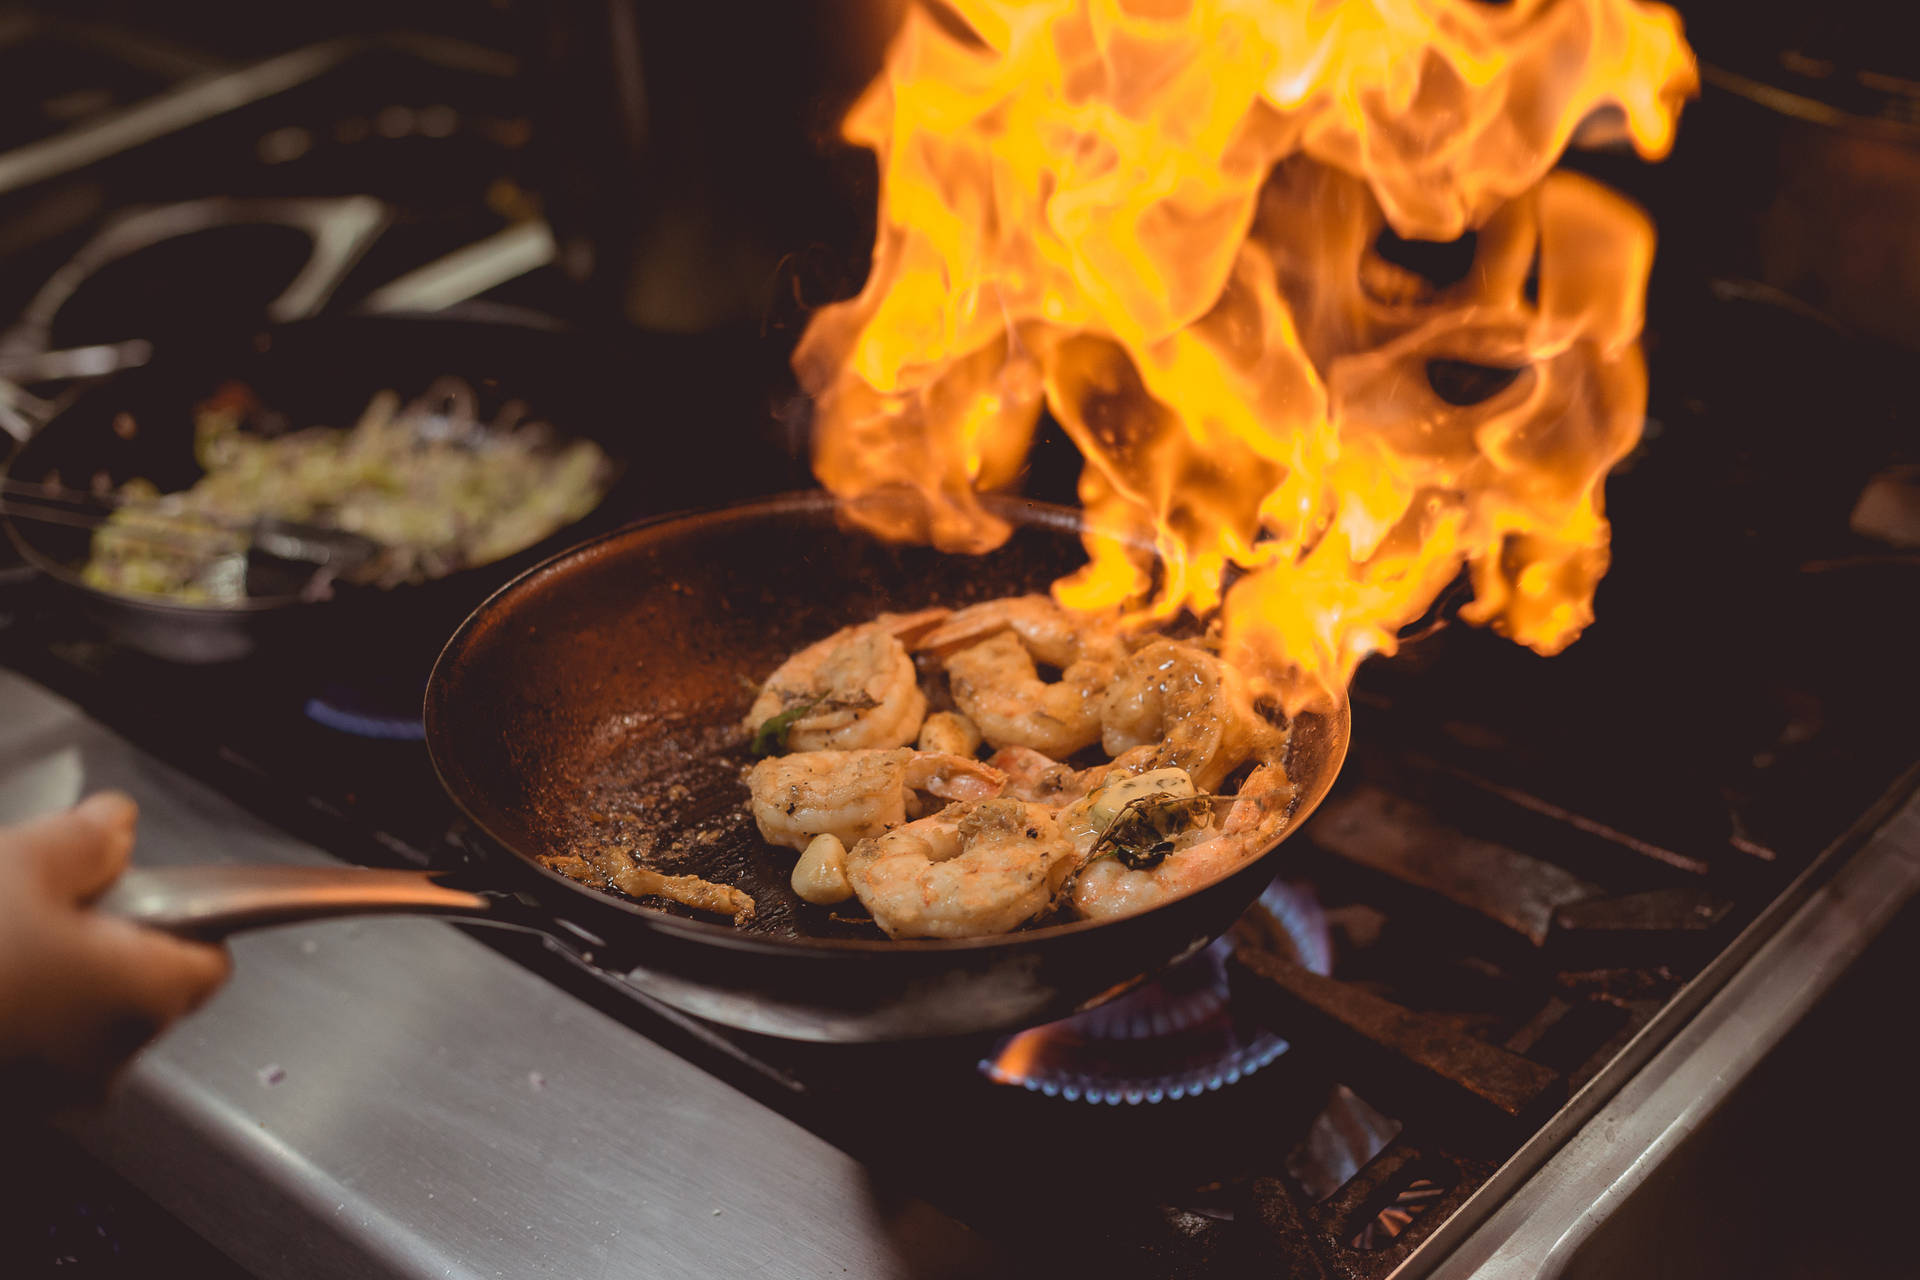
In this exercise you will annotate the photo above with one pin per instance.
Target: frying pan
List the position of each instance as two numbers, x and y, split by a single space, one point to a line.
320 371
599 695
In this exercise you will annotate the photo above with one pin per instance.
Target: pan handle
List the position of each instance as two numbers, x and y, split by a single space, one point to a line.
210 902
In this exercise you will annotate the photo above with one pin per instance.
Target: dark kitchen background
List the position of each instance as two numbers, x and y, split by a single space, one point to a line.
661 180
677 151
685 157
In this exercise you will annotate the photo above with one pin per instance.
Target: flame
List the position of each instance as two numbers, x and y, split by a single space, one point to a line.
1015 1061
1157 219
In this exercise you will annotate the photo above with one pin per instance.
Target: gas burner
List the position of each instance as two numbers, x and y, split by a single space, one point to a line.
1175 1037
368 712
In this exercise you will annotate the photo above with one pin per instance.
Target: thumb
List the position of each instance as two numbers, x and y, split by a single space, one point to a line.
158 976
80 851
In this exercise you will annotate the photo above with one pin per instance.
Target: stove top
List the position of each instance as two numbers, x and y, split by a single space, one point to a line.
1533 873
1526 864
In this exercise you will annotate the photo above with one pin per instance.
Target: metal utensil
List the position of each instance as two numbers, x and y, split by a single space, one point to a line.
283 556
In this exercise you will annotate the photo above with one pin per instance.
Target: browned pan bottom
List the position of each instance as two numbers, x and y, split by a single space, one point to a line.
649 754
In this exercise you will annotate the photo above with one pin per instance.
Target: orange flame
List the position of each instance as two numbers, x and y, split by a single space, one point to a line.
1015 1061
1157 218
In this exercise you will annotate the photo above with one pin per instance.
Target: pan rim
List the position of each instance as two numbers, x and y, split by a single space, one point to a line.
728 936
223 345
63 573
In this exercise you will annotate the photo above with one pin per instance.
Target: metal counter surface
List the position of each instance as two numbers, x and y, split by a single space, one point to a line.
392 1098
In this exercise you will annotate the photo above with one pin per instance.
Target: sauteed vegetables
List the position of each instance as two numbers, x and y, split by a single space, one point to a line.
436 488
1107 789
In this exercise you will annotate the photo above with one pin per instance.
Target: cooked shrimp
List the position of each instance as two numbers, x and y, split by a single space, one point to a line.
991 651
998 687
1133 760
1191 707
970 871
855 794
858 688
1042 779
1048 632
911 628
1107 887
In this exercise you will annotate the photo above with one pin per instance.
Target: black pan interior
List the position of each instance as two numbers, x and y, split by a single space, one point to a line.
599 697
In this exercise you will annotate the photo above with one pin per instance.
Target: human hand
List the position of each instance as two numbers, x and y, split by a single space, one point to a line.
80 991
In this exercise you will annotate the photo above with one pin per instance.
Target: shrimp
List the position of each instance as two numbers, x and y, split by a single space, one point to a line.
855 794
1042 779
857 688
1194 708
990 651
1134 760
973 870
1048 632
1106 887
997 686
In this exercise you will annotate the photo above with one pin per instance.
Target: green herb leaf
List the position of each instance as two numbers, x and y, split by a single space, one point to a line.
771 737
1141 834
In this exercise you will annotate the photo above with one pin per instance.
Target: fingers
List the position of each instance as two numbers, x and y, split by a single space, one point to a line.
79 852
81 991
119 987
153 976
89 991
